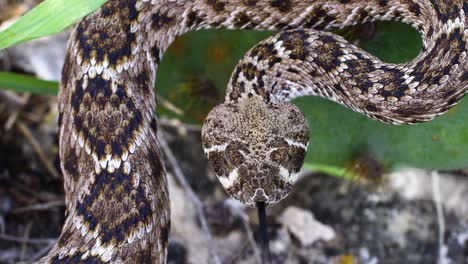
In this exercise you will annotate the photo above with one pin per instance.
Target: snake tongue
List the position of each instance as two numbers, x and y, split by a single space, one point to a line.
263 230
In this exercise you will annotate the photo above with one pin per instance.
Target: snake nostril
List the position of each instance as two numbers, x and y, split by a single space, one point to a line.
265 167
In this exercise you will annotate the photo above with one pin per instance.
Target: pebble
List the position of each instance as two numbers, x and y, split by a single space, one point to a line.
304 227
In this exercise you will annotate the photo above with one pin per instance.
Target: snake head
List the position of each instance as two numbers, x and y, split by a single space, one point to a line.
256 148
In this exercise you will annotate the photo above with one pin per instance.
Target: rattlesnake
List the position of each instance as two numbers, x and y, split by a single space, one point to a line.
116 190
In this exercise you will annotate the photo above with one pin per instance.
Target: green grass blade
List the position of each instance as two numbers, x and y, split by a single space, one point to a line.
25 83
338 172
49 17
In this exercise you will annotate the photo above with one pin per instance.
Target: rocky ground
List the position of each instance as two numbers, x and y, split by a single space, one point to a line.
409 216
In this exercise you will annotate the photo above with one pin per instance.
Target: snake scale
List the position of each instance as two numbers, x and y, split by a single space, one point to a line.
116 189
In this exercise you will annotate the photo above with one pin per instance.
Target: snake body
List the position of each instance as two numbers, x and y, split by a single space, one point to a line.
116 190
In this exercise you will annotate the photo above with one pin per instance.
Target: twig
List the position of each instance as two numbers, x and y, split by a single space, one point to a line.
12 99
16 239
27 230
179 175
168 105
41 253
15 113
37 148
33 195
440 217
176 123
38 207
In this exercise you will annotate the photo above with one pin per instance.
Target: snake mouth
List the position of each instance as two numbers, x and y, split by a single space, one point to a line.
262 183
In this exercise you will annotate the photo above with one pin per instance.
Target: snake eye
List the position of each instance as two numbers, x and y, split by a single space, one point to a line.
297 156
280 156
235 153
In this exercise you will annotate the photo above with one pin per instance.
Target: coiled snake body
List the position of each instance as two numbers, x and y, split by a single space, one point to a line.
116 190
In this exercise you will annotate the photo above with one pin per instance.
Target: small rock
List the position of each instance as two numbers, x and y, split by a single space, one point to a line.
305 228
280 245
416 184
366 257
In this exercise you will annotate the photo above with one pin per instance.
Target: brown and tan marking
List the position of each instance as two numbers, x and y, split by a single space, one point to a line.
116 189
